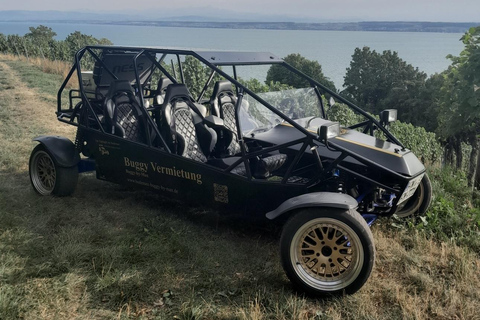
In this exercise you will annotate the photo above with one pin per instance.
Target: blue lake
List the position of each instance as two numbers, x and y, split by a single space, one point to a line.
332 49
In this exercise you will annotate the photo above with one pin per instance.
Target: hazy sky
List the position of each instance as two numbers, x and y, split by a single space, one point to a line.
416 10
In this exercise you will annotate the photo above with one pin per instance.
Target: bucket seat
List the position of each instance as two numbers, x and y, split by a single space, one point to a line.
181 123
122 113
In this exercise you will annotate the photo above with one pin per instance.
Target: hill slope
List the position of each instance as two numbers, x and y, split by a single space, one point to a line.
110 252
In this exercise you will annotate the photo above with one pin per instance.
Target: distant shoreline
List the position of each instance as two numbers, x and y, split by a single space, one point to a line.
385 26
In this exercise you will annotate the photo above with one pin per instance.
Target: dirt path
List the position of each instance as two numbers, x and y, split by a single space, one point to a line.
24 113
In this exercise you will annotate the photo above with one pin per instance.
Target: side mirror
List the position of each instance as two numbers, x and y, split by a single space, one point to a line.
387 116
328 130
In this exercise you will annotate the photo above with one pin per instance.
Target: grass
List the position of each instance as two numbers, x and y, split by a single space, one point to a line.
109 252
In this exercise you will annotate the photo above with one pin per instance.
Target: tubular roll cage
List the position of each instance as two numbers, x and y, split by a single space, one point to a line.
234 59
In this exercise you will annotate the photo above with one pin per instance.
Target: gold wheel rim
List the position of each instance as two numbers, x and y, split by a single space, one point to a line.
327 254
43 173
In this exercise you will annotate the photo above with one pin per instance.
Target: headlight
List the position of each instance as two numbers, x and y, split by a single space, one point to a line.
328 130
389 115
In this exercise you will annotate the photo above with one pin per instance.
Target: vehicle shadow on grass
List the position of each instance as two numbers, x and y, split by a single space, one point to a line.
135 247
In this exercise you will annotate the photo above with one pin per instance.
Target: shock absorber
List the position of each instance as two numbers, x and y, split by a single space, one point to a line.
340 186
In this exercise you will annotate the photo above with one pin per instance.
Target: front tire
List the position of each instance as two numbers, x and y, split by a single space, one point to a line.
47 177
419 203
327 251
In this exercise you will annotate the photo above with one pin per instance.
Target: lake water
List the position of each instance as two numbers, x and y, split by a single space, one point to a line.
332 49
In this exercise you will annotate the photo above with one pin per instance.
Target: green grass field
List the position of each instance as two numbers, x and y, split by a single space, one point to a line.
108 252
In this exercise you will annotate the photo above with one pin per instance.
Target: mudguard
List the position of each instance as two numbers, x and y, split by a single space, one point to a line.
314 199
62 150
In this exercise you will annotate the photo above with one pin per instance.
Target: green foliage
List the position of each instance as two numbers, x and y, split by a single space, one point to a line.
13 45
424 144
196 76
41 34
384 81
343 114
461 100
312 68
3 43
451 215
258 87
461 89
40 42
427 115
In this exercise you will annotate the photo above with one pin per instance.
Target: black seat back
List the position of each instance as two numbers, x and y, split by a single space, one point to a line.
181 123
123 116
222 103
161 91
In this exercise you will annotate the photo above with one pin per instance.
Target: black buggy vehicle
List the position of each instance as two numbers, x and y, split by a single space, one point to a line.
144 119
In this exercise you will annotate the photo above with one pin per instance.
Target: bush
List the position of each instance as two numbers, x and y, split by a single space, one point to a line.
452 216
423 143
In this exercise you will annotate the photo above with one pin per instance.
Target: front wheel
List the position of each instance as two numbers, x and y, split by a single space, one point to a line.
47 177
327 251
419 203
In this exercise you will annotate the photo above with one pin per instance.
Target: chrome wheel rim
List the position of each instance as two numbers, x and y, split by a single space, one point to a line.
43 173
326 254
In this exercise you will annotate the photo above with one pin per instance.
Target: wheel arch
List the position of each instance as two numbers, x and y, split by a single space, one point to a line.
314 199
62 150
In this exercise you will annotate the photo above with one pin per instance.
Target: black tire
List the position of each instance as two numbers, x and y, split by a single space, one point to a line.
419 203
47 177
323 236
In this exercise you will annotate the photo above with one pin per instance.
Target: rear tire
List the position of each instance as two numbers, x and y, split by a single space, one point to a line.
47 177
327 251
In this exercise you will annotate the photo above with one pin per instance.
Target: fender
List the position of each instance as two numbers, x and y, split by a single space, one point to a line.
62 150
315 199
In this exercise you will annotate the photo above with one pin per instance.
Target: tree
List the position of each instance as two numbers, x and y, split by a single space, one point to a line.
3 43
461 99
41 34
430 95
77 40
40 39
196 76
258 87
382 81
13 44
311 68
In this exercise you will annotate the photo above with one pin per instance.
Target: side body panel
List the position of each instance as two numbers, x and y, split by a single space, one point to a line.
125 162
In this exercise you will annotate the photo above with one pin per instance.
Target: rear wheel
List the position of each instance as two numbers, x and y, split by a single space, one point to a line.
327 251
47 177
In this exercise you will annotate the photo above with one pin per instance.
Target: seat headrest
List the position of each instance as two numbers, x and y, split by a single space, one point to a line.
176 91
163 83
119 86
221 87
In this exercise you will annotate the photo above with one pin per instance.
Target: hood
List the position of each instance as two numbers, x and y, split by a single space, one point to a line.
384 153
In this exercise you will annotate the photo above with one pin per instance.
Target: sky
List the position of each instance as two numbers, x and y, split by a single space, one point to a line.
313 10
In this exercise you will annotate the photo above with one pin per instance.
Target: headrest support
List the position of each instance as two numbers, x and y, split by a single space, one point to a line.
177 90
163 83
221 87
119 86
